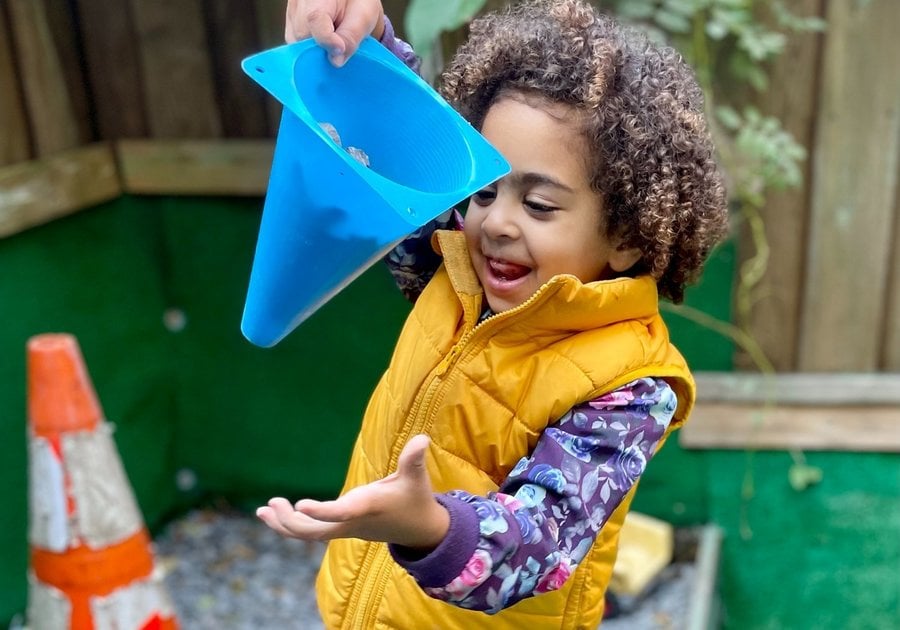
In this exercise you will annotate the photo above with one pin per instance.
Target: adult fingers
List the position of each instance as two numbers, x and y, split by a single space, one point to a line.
295 26
321 21
355 26
316 19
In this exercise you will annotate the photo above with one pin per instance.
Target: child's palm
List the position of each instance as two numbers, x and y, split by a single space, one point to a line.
398 509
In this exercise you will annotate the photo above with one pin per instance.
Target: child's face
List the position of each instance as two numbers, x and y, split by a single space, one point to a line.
542 219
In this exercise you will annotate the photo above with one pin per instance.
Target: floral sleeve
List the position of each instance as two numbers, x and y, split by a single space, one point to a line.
413 262
399 48
528 537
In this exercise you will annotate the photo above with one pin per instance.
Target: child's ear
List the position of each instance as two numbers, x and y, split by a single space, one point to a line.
622 258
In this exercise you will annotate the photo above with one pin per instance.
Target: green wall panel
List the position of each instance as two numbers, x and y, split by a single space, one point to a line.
255 421
95 275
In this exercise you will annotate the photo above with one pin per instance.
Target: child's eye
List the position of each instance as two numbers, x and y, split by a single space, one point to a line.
484 197
538 207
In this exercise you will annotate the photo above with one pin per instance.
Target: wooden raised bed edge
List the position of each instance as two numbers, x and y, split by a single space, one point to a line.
821 412
39 191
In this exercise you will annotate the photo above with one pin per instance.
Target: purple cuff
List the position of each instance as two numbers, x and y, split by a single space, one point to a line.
450 557
398 47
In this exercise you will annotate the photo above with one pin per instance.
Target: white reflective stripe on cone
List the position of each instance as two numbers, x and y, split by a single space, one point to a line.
132 606
48 607
49 523
105 507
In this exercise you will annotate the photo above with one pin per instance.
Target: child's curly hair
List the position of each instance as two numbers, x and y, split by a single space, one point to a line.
650 151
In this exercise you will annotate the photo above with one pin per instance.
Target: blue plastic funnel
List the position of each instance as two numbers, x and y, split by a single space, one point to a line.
326 216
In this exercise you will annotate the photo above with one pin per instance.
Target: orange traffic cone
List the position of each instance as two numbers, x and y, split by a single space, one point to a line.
92 565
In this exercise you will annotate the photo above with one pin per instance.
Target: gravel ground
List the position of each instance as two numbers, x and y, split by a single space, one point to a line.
226 570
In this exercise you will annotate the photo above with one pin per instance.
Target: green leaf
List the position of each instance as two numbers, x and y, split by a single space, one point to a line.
716 30
795 22
761 44
636 10
802 476
426 19
729 117
672 22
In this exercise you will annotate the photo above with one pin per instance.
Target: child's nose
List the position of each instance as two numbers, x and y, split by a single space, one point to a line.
501 220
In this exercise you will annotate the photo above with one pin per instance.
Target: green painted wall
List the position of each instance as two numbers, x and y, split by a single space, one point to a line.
250 422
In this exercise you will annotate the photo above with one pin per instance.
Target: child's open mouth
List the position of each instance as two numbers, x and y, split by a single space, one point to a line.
506 271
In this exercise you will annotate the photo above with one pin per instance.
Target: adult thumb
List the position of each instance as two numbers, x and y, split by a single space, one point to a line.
412 458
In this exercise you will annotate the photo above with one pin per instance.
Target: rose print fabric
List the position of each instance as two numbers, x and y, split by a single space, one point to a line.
413 262
399 48
528 537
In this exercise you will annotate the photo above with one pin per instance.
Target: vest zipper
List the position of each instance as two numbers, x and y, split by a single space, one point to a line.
457 350
367 599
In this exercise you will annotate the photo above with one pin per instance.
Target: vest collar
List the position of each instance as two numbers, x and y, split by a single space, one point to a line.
566 304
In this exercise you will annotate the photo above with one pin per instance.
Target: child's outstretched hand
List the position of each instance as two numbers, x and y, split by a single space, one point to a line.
398 509
337 25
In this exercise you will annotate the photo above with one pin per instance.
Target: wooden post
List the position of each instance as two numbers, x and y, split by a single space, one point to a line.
775 316
232 36
113 69
270 31
14 144
854 179
64 34
54 126
890 360
178 84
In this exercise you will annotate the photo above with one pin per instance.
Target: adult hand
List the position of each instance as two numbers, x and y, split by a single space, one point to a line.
398 509
336 25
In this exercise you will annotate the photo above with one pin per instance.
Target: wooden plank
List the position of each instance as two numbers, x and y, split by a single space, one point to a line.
270 33
704 611
858 389
891 357
64 33
177 71
232 36
854 176
54 126
32 193
223 167
774 315
113 69
14 142
843 428
270 22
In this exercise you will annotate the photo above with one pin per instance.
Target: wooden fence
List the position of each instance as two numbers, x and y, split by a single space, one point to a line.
147 96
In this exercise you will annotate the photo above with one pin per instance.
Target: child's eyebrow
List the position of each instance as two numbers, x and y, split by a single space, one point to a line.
522 180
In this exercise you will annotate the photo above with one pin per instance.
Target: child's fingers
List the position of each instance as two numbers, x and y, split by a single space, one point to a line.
339 511
267 515
280 515
412 458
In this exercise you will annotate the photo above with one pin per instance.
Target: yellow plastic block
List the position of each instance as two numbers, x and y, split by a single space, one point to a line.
645 548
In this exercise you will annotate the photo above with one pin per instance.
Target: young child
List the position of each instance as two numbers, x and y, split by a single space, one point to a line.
534 368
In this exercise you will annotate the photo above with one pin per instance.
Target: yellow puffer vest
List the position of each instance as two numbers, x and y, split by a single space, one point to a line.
484 393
